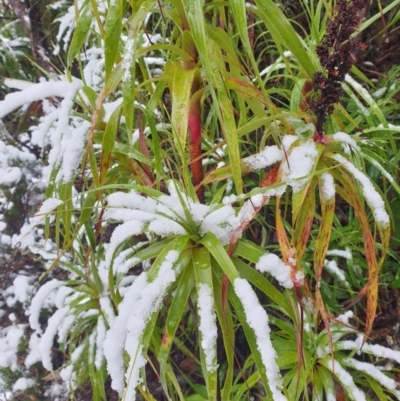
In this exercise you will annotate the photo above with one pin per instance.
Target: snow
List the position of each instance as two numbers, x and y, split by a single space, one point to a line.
120 234
110 107
270 263
130 200
46 342
21 289
333 268
17 84
11 170
10 338
100 338
129 325
222 222
65 327
77 352
270 155
345 379
23 383
357 345
31 93
288 141
345 317
257 319
346 139
34 353
128 59
207 326
378 93
47 207
358 87
272 67
371 195
300 163
327 186
382 170
374 372
338 252
107 309
38 301
249 209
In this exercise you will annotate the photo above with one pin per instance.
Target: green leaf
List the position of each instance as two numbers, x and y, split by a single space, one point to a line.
259 281
212 243
211 58
283 33
79 37
108 142
87 208
174 318
112 29
203 273
251 340
224 316
130 57
181 91
327 382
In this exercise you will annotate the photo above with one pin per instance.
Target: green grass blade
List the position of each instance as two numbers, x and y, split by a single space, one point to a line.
112 29
283 33
79 37
174 318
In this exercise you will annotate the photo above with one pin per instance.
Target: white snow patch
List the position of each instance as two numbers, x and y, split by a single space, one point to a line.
38 301
271 264
339 252
333 268
265 158
31 93
257 319
46 342
345 379
345 317
371 195
327 187
378 93
10 338
300 162
128 326
23 383
373 372
346 139
207 327
222 222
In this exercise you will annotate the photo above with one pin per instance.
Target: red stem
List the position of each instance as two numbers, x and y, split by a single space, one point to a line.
194 125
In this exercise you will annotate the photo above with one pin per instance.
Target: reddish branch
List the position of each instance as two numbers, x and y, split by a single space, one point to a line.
194 124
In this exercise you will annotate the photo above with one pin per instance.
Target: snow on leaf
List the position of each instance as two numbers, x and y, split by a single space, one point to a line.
374 372
128 326
346 139
267 157
31 93
271 264
373 198
327 186
207 327
338 252
257 319
38 301
345 379
300 162
114 342
46 342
